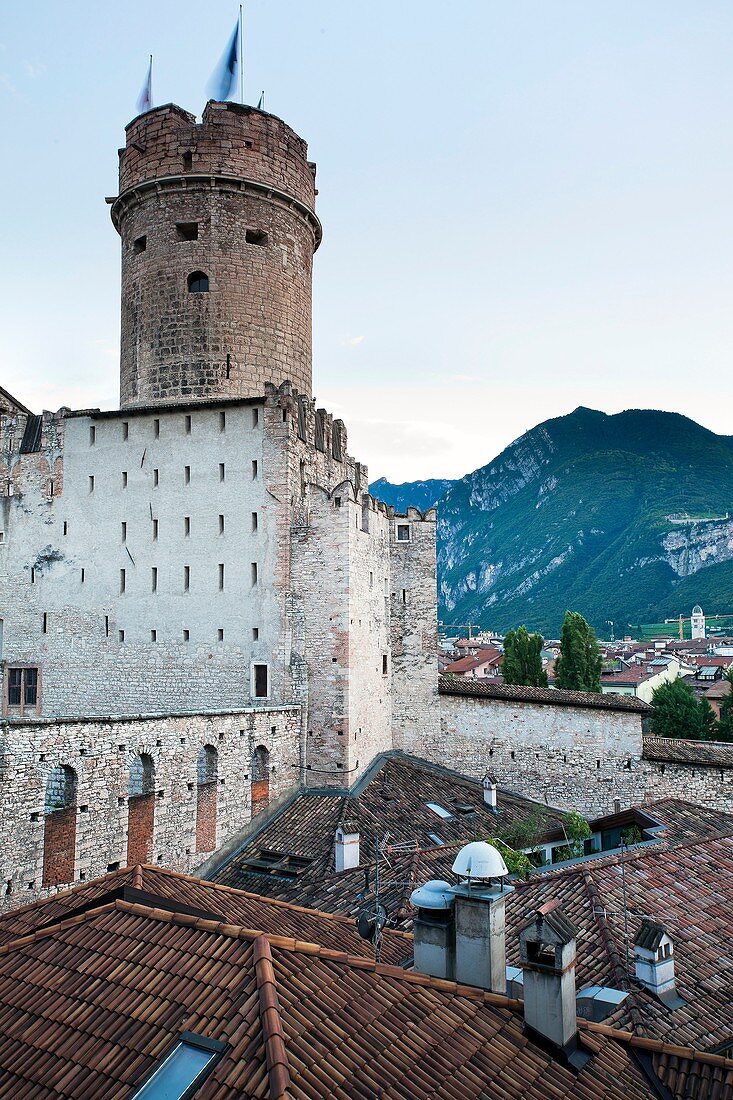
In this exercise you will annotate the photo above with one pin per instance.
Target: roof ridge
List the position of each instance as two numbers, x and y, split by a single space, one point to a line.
76 888
48 929
339 918
273 1033
657 1046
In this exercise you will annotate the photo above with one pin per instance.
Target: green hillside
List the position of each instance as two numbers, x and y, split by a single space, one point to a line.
624 517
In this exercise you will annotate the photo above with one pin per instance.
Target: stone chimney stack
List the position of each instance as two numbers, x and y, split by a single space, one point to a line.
480 917
347 845
654 958
547 949
489 784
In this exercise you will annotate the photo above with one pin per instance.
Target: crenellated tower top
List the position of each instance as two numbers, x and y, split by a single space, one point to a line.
218 233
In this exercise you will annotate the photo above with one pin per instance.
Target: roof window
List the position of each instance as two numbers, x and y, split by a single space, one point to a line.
183 1070
440 810
287 865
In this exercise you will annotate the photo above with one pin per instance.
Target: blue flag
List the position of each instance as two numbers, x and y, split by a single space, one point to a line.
223 82
145 99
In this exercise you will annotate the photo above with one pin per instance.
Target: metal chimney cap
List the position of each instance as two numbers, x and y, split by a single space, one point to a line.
478 861
435 894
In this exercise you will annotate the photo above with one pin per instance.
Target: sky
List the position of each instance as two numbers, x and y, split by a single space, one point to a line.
526 205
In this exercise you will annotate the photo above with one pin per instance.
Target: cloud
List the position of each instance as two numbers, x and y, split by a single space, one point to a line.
33 70
351 341
7 84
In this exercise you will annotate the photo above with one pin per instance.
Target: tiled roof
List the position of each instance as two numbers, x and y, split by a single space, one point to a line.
391 801
208 899
714 754
90 1006
557 697
688 888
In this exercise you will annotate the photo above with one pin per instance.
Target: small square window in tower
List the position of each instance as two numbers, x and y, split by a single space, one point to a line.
187 231
403 532
139 245
256 236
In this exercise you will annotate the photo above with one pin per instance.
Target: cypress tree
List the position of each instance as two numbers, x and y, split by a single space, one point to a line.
578 668
523 659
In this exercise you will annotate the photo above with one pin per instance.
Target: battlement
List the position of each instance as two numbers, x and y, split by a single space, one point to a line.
232 140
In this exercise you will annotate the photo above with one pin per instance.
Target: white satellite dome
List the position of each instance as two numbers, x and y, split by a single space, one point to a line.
480 860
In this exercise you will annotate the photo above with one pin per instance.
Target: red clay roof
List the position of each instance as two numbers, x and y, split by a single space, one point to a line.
557 697
90 1006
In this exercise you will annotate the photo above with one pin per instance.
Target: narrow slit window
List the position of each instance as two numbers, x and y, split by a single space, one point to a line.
92 436
220 634
153 635
123 581
124 479
156 428
255 634
156 478
222 421
186 475
186 635
254 572
222 472
154 579
255 521
186 578
186 526
221 525
45 622
221 576
125 431
254 469
91 483
255 417
384 664
188 424
124 531
155 530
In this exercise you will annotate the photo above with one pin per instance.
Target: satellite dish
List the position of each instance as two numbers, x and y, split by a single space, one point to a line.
370 921
479 861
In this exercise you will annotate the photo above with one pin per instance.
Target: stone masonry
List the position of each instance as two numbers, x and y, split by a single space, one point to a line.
103 756
232 199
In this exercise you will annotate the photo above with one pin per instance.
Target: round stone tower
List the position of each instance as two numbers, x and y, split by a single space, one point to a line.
218 233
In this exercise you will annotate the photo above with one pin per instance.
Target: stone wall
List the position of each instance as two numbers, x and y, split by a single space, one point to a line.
577 758
104 755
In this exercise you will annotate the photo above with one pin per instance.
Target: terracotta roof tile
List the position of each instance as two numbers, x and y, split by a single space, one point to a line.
558 697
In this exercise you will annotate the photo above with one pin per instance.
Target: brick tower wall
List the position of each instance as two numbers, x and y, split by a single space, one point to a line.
242 179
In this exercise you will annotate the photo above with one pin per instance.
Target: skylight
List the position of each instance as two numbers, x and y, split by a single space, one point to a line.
436 839
183 1070
440 810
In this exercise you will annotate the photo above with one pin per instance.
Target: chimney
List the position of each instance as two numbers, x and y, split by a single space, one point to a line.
434 929
489 784
480 918
654 959
347 845
617 805
547 949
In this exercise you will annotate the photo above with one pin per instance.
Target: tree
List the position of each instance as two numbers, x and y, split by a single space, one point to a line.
523 659
677 713
724 731
578 667
576 830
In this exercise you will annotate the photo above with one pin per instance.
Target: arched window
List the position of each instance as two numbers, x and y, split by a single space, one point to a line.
198 282
207 767
59 827
140 809
260 779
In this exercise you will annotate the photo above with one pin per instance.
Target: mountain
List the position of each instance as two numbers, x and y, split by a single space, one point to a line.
418 494
624 518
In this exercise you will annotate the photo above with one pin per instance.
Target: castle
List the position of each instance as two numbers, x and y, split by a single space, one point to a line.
202 608
201 605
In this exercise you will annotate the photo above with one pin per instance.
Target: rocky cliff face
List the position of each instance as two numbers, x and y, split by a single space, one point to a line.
615 516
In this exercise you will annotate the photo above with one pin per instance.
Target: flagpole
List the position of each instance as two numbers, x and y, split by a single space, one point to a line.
241 56
151 80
